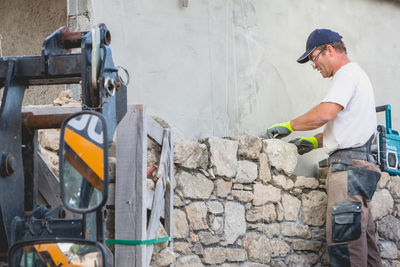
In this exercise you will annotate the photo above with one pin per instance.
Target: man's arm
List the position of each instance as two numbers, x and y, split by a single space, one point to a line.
319 137
316 117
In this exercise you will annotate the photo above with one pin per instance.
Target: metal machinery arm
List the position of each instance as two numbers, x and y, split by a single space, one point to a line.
103 90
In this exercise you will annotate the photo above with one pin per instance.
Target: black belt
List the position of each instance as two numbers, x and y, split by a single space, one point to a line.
346 156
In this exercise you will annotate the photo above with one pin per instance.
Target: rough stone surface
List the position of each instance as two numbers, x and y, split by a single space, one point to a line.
306 182
281 155
235 223
50 139
264 213
381 204
389 228
291 207
383 181
214 255
269 230
223 156
247 172
190 154
243 196
293 230
196 213
181 227
236 254
182 247
300 244
279 248
249 146
164 258
266 193
192 260
222 187
215 207
217 225
195 186
302 260
314 208
387 249
281 181
258 248
394 186
207 238
264 172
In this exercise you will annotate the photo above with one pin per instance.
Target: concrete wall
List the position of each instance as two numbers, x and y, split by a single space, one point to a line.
226 67
24 26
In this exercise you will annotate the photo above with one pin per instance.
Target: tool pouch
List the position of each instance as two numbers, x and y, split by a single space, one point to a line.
346 221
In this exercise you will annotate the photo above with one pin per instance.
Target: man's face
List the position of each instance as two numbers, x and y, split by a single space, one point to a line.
320 61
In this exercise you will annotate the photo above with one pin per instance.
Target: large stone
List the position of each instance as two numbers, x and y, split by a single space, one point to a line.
291 207
306 182
50 139
181 227
196 213
300 260
222 187
314 208
165 258
192 261
293 230
215 207
387 249
266 193
207 238
306 245
235 223
389 228
281 154
190 154
236 254
381 204
258 247
264 213
281 181
249 146
385 178
223 156
243 196
279 248
247 172
394 186
214 255
195 186
264 172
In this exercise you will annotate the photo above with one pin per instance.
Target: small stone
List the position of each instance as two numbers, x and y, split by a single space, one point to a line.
247 172
279 248
196 213
389 228
266 193
264 172
394 186
198 249
306 182
222 187
249 146
237 186
306 245
214 255
182 248
280 214
264 213
211 173
207 238
217 225
293 230
385 178
215 207
223 156
281 181
177 201
242 196
165 258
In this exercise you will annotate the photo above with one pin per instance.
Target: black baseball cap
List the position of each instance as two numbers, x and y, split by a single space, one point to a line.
318 37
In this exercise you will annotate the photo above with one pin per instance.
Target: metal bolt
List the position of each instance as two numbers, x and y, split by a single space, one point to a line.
7 165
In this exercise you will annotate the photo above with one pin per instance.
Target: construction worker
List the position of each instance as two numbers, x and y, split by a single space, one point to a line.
348 113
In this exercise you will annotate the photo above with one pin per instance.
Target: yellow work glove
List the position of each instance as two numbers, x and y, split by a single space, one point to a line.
279 130
305 144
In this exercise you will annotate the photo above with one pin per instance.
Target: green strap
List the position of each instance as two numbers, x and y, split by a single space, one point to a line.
138 242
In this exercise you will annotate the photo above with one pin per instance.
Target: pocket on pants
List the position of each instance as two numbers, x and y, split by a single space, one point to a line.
346 221
362 182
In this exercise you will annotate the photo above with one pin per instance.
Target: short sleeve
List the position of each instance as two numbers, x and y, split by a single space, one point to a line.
341 88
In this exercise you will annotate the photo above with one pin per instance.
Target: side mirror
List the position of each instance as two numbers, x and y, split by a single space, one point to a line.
84 162
58 253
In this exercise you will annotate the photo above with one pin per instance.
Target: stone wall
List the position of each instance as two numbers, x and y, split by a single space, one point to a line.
238 203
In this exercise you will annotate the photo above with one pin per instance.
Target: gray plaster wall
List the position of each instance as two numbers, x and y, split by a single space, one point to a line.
23 27
226 67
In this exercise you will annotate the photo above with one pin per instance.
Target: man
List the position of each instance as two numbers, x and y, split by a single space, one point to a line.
348 113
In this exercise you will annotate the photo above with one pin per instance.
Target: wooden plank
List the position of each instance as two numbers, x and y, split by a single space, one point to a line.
130 194
169 193
154 130
47 110
48 183
163 167
155 217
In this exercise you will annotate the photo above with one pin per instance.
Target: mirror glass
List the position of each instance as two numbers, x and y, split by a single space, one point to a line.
83 167
57 254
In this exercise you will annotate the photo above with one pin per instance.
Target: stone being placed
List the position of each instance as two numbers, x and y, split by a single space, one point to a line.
258 247
195 186
266 193
281 154
196 213
235 223
249 146
264 172
223 156
190 154
247 172
314 207
291 206
381 204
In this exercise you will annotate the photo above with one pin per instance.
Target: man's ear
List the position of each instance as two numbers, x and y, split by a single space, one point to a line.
330 50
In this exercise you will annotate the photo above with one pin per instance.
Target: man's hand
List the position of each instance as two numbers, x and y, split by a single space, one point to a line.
305 144
279 130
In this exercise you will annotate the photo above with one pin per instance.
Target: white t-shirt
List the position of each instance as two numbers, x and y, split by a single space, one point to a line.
351 88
